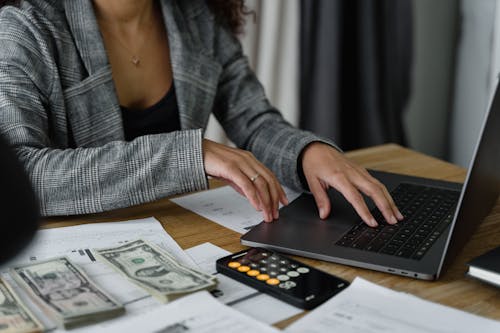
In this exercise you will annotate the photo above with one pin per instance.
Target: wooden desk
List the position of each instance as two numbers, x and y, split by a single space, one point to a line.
452 289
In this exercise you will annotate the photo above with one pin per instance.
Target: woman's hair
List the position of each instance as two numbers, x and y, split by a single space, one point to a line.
231 13
8 2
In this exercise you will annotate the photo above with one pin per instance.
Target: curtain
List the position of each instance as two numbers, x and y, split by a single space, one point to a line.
477 70
271 42
355 64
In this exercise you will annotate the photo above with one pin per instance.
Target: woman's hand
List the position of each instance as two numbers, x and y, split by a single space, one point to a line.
326 167
246 175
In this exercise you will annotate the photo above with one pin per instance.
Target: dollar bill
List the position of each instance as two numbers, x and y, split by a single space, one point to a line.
65 292
154 270
14 315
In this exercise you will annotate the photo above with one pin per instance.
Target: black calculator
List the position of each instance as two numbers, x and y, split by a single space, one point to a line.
284 278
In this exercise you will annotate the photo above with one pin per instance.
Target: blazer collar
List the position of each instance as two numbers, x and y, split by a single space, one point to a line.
87 36
195 73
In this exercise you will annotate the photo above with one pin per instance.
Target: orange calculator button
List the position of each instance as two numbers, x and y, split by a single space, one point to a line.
273 281
243 269
262 277
253 272
234 264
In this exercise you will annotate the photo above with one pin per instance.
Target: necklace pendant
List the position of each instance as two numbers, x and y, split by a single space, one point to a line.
136 61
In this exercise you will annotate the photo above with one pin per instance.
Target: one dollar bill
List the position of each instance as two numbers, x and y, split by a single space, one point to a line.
65 293
154 270
14 315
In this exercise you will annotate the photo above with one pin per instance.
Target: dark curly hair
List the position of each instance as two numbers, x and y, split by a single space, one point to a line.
8 2
230 13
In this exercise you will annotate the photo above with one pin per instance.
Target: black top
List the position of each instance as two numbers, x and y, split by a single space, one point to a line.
163 117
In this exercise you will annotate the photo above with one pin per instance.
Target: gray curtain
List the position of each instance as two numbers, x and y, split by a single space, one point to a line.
355 69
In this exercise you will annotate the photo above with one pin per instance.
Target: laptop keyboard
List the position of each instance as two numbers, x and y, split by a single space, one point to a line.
427 211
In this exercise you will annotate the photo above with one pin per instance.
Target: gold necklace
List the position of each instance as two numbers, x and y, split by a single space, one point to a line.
134 58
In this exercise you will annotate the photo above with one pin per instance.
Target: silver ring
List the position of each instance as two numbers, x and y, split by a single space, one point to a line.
252 179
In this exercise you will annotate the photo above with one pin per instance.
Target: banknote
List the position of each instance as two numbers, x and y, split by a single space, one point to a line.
155 270
14 315
65 292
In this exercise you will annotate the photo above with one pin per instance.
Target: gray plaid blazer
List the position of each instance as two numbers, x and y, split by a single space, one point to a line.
60 112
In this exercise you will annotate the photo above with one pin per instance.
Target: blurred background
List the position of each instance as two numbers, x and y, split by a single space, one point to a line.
419 73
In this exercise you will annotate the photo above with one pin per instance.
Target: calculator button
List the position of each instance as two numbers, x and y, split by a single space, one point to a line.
283 277
243 269
292 274
283 270
253 272
303 270
263 269
234 264
294 266
273 266
254 265
262 277
283 262
273 258
256 258
287 285
265 254
263 262
273 273
273 282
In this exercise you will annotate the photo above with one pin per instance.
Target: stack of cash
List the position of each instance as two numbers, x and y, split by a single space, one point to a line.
154 270
14 315
64 293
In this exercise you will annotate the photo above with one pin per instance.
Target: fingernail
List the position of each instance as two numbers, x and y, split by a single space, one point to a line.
400 216
373 223
321 213
393 219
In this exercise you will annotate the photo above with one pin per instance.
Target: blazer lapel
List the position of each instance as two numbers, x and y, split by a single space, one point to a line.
196 74
92 105
86 33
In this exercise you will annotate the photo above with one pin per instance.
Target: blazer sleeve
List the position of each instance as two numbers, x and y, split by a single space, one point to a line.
248 118
84 180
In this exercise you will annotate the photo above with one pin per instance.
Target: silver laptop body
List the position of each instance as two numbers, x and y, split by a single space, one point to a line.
300 231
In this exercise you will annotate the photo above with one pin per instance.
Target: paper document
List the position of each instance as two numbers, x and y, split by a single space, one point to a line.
226 207
369 308
196 313
238 295
77 243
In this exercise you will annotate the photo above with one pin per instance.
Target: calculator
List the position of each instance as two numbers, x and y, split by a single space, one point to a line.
282 277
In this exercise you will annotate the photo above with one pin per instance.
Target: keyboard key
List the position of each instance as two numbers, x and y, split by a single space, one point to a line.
405 252
426 214
389 249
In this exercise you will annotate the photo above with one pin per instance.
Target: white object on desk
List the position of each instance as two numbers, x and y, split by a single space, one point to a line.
77 242
196 313
370 308
238 295
226 207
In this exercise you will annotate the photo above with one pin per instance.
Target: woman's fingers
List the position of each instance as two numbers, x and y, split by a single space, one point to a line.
322 163
383 199
247 174
321 197
277 194
344 185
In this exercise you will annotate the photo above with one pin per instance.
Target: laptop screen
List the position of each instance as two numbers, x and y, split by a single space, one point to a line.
482 185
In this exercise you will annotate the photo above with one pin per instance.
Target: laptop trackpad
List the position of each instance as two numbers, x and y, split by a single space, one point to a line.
300 222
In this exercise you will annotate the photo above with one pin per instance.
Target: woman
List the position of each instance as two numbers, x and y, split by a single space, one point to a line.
105 102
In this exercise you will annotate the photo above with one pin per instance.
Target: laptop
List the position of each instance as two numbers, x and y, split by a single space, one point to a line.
440 217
